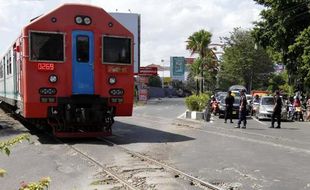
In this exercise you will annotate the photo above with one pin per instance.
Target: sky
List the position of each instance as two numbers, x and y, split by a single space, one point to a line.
165 24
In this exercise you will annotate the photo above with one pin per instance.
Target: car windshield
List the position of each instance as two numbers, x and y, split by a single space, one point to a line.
237 101
249 97
267 101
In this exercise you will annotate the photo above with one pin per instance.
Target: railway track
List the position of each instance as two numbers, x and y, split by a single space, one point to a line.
121 178
193 180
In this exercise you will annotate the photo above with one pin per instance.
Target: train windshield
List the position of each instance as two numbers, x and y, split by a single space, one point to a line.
46 46
116 50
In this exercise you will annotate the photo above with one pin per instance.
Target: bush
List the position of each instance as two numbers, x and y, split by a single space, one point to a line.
197 103
155 81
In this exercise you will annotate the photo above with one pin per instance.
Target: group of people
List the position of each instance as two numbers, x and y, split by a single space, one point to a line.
229 101
276 115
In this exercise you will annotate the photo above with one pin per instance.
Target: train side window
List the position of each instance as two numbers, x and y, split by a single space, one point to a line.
46 46
8 64
82 49
1 70
116 50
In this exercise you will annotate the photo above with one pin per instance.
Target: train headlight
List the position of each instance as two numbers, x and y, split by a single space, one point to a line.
112 80
78 20
87 20
53 78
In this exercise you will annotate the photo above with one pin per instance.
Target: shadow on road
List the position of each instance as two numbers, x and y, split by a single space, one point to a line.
123 133
127 134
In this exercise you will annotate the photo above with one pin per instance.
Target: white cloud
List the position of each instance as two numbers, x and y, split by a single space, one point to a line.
165 25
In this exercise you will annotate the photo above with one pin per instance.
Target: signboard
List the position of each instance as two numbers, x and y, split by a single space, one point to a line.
143 93
148 71
144 80
177 67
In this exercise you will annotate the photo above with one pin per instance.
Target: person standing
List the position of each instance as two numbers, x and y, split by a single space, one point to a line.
242 110
277 111
256 99
229 101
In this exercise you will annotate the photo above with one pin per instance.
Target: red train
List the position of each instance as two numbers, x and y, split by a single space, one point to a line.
71 69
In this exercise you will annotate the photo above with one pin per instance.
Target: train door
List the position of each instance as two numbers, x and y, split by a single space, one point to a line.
82 62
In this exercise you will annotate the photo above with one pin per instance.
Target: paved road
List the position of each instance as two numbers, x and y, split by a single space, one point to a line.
254 158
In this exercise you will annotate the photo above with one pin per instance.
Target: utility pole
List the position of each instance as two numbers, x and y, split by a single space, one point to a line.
163 83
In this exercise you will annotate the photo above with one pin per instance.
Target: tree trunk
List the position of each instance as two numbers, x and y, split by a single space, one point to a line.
197 87
201 80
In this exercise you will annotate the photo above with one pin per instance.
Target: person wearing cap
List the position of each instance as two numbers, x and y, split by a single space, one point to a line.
242 110
277 111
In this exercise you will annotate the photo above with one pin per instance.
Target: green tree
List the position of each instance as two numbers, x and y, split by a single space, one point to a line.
281 24
243 62
194 74
301 49
275 81
198 43
155 81
280 82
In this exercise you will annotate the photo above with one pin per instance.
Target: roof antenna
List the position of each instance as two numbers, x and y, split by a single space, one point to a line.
129 10
116 10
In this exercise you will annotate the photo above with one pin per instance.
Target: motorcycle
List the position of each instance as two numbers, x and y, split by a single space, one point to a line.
298 114
214 107
290 112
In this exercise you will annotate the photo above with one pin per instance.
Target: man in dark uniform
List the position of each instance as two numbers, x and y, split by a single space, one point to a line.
242 110
229 101
277 111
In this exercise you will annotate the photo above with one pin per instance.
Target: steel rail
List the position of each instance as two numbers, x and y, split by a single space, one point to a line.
101 166
27 124
192 178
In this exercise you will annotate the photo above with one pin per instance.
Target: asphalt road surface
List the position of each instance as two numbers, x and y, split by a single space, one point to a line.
252 158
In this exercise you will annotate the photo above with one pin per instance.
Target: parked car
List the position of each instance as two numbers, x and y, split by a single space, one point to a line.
220 95
222 108
235 93
237 88
265 108
249 106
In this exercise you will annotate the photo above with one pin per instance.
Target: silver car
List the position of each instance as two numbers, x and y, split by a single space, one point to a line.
265 108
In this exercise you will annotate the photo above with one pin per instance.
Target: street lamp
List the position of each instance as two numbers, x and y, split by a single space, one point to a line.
252 72
163 61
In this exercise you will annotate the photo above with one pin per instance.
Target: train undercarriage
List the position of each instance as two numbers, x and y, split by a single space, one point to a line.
81 116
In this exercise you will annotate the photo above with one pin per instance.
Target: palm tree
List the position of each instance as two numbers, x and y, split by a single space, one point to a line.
198 42
195 72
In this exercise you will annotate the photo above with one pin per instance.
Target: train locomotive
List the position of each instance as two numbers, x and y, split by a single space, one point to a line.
72 70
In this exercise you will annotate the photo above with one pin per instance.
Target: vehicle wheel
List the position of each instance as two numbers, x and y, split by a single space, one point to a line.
298 117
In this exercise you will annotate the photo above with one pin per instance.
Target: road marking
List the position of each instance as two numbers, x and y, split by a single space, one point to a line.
182 115
295 149
259 121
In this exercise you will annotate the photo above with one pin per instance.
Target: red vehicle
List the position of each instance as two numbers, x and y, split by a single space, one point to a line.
71 69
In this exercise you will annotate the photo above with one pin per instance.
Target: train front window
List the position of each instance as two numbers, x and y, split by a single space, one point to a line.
82 49
116 50
46 46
